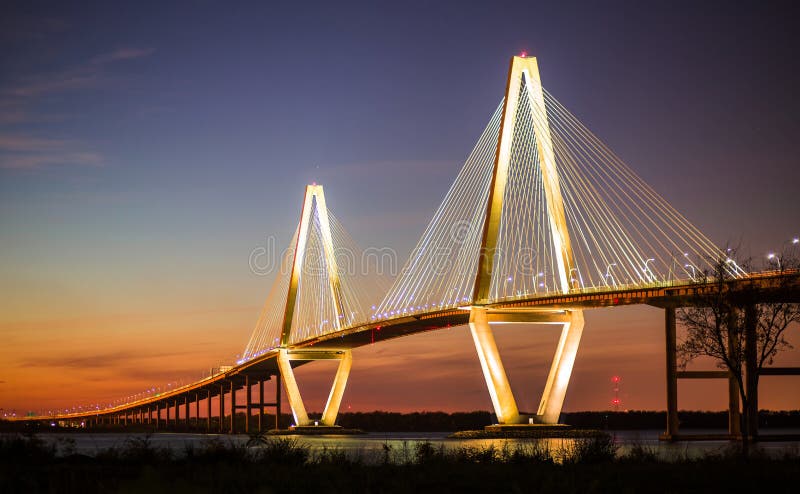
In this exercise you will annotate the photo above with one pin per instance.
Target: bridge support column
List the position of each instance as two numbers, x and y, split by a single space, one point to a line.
248 386
561 370
285 357
221 408
505 406
751 369
337 390
261 405
186 421
277 403
734 417
208 411
233 408
672 372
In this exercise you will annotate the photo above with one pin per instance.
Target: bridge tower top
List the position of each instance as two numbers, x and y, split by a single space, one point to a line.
524 82
315 196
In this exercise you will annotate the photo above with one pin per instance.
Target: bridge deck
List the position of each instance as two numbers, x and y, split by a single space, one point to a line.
772 286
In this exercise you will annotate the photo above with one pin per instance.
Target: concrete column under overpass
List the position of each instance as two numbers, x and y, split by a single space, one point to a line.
277 403
233 407
262 401
208 410
248 400
186 421
197 409
670 334
673 376
222 408
734 417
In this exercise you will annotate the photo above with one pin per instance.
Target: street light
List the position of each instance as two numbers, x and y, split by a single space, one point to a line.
579 279
609 275
777 259
646 269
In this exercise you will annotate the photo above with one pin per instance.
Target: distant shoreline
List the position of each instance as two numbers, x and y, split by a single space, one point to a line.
381 421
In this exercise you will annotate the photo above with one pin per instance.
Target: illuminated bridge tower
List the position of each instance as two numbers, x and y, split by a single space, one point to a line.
524 82
314 216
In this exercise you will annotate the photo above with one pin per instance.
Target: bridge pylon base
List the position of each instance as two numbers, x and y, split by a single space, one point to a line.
503 401
285 357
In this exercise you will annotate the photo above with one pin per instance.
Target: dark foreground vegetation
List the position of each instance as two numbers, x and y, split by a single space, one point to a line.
29 464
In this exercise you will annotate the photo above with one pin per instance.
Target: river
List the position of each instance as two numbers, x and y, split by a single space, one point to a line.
400 445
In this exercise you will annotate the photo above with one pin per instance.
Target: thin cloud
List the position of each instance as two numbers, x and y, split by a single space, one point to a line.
83 362
154 374
13 116
21 152
121 54
25 28
24 152
86 75
120 358
43 160
68 80
401 167
16 117
20 143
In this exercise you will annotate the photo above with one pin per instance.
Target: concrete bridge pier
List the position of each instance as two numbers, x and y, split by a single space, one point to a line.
503 401
285 357
672 432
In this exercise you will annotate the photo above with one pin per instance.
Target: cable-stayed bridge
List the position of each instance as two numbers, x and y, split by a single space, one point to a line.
542 222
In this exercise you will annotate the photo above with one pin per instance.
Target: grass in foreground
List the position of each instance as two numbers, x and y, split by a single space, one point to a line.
267 464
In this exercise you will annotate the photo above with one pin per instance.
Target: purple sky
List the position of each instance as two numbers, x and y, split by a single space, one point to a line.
146 149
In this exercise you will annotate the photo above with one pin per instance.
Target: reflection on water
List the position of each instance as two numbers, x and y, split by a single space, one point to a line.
401 446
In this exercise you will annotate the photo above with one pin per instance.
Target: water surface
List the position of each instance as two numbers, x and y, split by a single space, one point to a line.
401 445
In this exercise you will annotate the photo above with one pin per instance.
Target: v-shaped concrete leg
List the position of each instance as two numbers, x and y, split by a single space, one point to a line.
561 369
505 406
285 357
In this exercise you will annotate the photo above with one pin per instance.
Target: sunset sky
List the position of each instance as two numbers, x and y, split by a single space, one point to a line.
147 148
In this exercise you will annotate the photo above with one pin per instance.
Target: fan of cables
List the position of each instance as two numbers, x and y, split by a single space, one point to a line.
622 233
332 294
